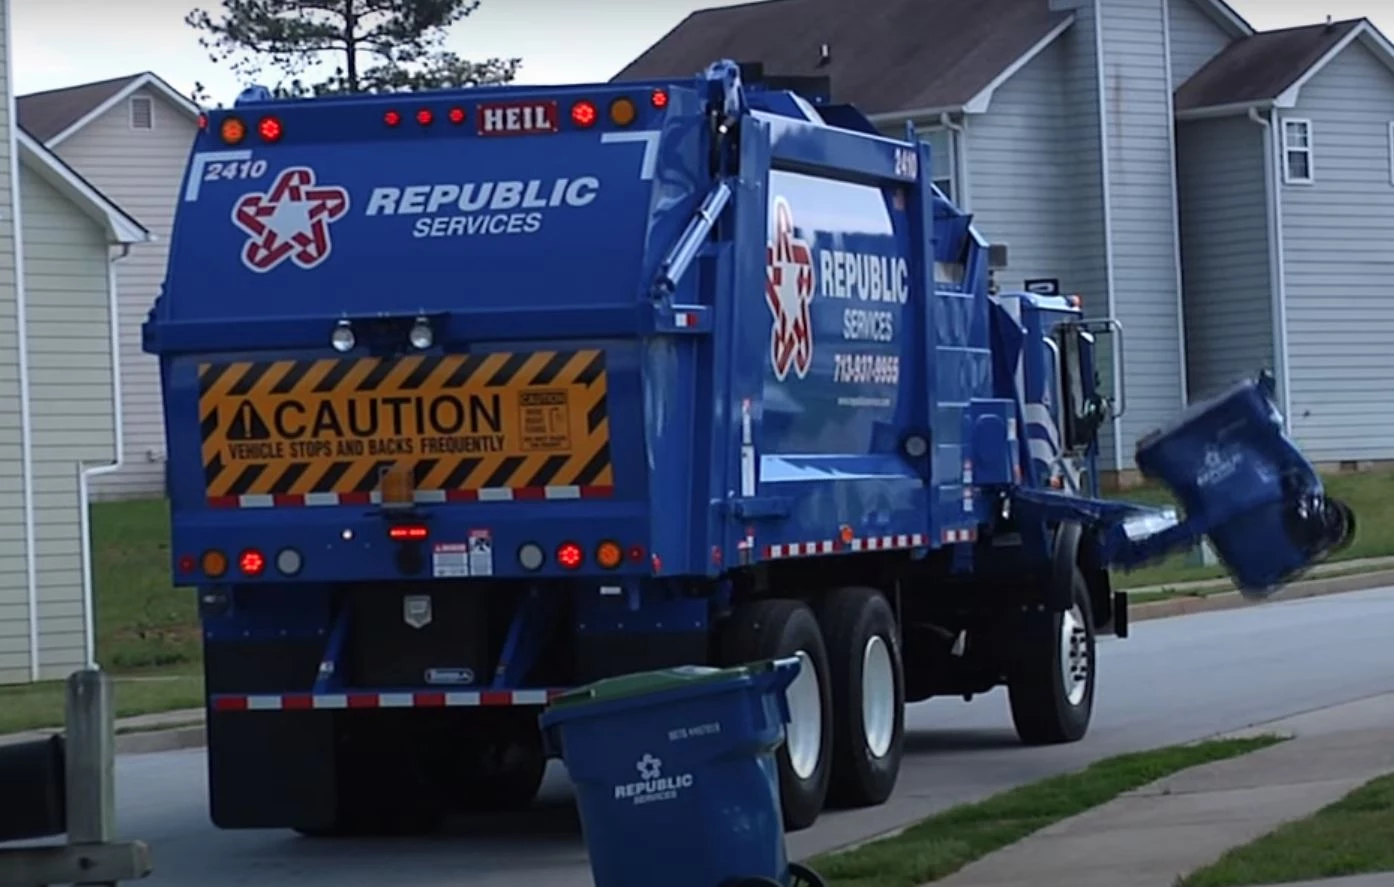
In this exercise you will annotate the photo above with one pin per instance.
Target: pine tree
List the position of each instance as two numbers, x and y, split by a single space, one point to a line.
373 45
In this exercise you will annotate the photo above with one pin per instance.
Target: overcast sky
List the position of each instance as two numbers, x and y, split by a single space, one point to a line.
66 42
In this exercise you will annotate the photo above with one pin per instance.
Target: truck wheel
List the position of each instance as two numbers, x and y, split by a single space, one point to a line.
773 629
868 685
507 778
1052 686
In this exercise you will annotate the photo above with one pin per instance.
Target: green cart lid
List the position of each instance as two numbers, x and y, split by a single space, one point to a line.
645 683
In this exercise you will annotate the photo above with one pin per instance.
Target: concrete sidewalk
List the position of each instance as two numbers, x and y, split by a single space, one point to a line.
1149 837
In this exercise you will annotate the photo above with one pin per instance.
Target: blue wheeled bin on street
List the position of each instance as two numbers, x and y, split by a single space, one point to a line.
675 776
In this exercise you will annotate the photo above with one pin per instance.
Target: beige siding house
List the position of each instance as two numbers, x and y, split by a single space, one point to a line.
131 138
58 376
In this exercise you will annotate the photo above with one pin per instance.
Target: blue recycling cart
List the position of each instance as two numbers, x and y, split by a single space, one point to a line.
675 775
1236 473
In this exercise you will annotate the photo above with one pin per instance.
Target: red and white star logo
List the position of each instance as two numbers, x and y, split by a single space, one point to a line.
789 293
291 221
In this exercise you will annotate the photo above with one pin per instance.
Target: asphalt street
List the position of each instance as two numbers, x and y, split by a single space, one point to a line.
1174 680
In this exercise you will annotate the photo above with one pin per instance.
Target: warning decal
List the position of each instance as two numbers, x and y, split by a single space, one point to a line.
463 424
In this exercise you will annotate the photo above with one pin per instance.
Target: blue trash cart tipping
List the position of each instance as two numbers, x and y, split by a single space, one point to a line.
476 396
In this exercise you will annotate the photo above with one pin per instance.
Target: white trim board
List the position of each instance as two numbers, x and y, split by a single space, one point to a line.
180 101
119 227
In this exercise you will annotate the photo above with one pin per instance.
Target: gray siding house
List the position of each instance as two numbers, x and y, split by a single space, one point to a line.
131 137
1287 142
59 238
1066 128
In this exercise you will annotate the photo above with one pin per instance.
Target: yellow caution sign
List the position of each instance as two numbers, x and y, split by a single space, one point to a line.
507 421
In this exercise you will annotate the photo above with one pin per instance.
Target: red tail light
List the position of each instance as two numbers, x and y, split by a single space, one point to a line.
251 562
458 116
270 130
659 99
392 118
425 117
569 555
407 533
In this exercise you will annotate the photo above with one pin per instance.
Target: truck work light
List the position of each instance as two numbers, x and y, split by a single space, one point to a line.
421 336
343 338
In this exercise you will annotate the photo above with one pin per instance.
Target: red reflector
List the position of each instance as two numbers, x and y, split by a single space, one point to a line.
269 129
407 533
636 553
203 121
569 555
392 118
187 563
425 117
659 98
251 562
583 114
458 116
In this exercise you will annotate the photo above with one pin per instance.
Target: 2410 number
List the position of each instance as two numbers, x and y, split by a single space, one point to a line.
246 169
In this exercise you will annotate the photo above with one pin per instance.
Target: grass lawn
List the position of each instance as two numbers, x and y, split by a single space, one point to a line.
1354 836
941 845
1370 494
147 630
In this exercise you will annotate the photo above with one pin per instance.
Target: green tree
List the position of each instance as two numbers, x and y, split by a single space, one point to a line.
372 45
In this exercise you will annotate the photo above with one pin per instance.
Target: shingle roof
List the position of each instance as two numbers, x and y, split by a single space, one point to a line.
1261 67
886 55
46 114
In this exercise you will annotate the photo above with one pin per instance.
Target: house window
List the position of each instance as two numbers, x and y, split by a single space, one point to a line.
944 161
1391 153
1297 152
142 112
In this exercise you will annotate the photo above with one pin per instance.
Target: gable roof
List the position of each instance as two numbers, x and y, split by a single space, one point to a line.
56 114
1269 68
887 56
119 227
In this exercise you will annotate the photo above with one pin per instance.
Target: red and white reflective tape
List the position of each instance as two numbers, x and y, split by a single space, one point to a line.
831 546
333 701
952 537
422 497
888 543
685 319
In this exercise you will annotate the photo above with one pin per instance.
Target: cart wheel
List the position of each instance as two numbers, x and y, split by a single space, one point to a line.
773 629
1051 685
801 875
868 685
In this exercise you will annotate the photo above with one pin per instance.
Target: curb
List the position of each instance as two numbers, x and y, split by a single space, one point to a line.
1232 600
151 741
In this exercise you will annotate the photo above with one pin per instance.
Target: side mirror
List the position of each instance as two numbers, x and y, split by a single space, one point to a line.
1084 410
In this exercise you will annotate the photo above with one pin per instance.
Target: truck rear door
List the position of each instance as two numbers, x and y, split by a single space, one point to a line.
444 290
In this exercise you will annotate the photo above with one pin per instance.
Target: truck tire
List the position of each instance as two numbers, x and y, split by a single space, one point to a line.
507 779
868 689
773 629
1051 686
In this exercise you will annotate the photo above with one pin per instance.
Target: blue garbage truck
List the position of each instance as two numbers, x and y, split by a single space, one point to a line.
475 396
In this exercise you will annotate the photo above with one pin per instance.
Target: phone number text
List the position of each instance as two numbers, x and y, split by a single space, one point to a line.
864 369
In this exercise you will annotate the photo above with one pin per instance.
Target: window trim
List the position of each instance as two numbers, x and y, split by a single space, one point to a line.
1288 151
131 112
1391 152
951 140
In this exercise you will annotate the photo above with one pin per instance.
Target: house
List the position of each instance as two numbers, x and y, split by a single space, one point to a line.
1285 142
131 137
59 414
1089 136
